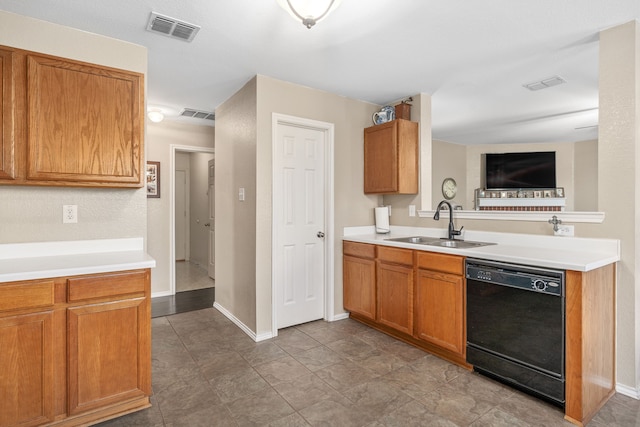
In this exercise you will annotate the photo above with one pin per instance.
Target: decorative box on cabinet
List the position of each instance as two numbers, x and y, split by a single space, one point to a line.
69 123
391 158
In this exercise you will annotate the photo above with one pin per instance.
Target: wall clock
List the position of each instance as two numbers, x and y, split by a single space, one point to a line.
449 188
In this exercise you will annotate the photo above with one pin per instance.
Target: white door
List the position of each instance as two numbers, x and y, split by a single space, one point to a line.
181 215
298 225
211 193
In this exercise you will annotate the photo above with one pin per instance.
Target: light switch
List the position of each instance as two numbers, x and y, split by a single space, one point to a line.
412 210
241 194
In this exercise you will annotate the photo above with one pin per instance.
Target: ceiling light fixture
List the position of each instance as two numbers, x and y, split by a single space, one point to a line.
155 116
309 11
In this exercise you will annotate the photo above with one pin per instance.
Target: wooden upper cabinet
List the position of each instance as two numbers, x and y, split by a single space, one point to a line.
7 117
84 123
69 123
391 158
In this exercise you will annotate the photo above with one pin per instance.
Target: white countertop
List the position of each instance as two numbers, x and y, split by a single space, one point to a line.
565 253
39 260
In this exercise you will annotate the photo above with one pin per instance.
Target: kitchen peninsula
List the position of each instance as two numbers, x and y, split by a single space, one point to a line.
418 293
75 329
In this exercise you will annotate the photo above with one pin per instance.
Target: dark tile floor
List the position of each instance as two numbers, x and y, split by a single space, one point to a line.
182 302
207 372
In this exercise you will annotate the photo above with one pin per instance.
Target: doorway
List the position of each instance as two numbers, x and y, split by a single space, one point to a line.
190 219
302 221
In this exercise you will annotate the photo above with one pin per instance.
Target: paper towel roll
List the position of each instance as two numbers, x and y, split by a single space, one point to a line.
382 220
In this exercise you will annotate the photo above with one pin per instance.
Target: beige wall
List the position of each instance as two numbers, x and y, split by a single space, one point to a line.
585 176
619 182
450 160
352 206
235 220
30 214
244 156
160 136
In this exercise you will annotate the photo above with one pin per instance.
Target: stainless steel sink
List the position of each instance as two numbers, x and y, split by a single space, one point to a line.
422 240
462 244
444 243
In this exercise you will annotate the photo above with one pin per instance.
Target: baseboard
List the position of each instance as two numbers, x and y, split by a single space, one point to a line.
238 323
161 294
340 316
628 391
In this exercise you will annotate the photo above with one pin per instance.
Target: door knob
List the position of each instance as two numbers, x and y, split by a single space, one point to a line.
320 234
207 225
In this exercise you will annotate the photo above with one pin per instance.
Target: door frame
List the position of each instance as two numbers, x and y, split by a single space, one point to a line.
328 129
173 148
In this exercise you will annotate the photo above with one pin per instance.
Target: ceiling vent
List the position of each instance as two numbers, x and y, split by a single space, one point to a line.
198 114
172 27
543 84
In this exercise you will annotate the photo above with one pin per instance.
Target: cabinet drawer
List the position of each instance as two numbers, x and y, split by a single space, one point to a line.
361 250
395 255
441 262
106 285
31 294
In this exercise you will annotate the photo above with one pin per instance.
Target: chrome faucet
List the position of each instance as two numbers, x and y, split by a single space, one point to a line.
452 230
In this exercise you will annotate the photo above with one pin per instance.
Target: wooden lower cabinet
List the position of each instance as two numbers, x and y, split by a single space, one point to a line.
108 347
80 355
359 279
440 318
394 269
26 369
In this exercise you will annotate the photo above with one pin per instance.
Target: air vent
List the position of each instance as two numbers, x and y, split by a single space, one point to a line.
198 114
172 27
543 84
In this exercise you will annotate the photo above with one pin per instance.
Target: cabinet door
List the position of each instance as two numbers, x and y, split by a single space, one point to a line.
359 286
381 158
7 114
440 310
395 296
84 123
109 353
26 369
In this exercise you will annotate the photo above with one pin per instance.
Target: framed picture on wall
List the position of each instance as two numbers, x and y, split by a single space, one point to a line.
153 180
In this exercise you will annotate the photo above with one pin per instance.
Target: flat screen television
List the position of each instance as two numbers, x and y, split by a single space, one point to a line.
513 171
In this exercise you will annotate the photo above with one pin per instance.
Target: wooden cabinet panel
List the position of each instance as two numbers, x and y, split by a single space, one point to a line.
395 255
109 353
362 250
84 123
26 370
359 286
395 296
28 294
391 158
107 285
440 310
7 117
441 262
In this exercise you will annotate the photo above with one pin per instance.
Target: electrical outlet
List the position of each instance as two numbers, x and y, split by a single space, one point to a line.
69 214
564 230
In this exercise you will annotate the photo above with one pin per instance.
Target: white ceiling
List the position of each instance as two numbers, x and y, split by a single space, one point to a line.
472 56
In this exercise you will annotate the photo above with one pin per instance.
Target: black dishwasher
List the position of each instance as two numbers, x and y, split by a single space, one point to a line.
516 326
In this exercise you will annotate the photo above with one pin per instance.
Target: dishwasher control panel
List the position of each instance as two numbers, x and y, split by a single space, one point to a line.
517 276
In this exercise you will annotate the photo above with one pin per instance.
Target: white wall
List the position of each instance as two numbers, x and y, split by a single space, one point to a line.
160 136
30 214
199 208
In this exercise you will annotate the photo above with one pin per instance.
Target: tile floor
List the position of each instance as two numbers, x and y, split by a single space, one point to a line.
191 276
207 372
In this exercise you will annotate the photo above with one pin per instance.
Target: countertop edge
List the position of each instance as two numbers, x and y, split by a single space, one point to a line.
582 261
